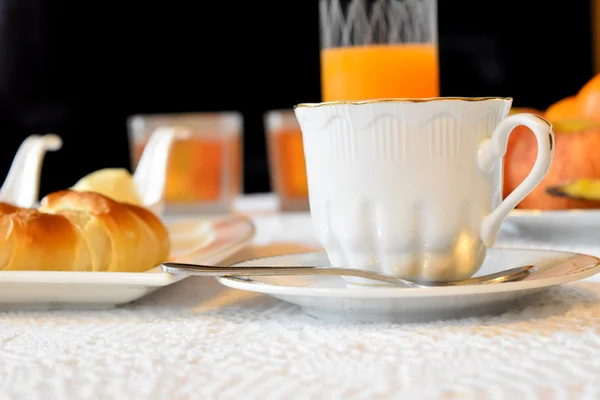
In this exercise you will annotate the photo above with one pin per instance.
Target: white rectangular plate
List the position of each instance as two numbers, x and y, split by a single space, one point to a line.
193 240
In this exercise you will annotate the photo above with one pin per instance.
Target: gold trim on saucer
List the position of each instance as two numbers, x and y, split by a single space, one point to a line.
399 100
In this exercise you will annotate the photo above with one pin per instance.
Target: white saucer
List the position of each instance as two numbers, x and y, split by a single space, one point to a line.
207 240
329 297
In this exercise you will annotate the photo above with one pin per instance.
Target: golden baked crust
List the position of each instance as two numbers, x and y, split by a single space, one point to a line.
81 231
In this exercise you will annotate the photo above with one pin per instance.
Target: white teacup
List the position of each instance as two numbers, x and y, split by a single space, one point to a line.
413 187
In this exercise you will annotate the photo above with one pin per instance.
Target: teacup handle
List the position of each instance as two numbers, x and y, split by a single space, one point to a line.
493 149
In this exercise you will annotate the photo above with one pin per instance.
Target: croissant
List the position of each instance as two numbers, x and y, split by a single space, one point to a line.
81 231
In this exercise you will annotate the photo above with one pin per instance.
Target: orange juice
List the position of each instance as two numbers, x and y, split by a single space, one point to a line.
377 71
292 167
196 168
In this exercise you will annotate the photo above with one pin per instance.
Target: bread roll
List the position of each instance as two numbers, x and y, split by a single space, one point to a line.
81 231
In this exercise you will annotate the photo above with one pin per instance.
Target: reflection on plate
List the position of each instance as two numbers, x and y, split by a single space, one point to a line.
199 240
330 297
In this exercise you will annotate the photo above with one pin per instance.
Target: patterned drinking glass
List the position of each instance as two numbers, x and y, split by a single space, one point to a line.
378 49
204 171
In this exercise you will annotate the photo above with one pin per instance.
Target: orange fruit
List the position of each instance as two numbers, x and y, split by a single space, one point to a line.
588 99
574 125
575 158
562 109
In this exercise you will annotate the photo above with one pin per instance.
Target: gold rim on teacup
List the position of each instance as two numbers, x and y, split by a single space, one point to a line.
400 100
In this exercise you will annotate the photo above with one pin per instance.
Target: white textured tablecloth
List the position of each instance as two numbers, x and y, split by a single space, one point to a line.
199 340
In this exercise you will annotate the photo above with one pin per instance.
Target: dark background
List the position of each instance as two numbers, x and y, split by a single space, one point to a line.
79 69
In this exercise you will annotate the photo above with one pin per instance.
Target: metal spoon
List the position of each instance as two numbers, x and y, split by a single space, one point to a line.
508 275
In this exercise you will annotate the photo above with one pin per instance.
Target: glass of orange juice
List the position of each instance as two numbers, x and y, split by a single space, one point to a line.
378 49
286 159
204 171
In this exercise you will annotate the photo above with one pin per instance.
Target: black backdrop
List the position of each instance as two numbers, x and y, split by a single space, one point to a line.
80 68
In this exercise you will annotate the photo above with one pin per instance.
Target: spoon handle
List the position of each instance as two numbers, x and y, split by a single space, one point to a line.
509 275
209 270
